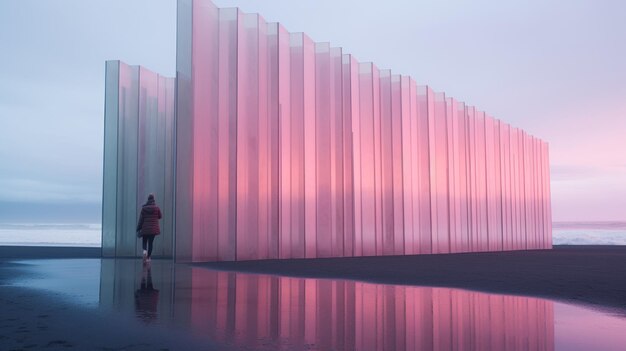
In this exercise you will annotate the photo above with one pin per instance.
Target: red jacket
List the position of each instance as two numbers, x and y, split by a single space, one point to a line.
149 220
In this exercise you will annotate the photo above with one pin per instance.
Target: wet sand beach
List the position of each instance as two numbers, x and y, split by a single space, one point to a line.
40 319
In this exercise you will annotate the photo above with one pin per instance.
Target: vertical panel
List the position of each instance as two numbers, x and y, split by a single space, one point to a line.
227 138
471 177
297 145
367 153
310 167
248 238
463 179
378 184
498 186
505 185
423 211
490 172
398 108
386 164
515 200
337 152
167 103
481 182
358 162
184 131
274 140
523 239
454 201
148 172
351 162
285 133
110 176
205 130
439 175
408 156
127 206
324 167
264 166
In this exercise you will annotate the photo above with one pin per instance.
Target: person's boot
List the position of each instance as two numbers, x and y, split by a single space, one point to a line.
145 255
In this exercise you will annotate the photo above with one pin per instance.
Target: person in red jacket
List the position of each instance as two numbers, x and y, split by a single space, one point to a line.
148 226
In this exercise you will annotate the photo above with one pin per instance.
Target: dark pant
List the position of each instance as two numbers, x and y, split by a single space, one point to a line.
146 243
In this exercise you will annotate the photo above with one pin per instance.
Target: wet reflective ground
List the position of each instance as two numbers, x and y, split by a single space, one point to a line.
245 311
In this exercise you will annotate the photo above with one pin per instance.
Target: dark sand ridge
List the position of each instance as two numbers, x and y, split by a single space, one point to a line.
590 275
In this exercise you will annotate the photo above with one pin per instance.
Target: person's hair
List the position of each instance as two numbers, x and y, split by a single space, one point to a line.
150 199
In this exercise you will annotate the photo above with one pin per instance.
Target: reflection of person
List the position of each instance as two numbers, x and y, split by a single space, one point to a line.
148 226
146 297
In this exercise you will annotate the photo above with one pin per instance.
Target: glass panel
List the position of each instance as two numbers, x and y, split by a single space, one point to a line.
368 167
352 170
424 108
408 156
386 164
264 166
337 152
184 132
490 175
227 134
481 179
273 139
437 125
248 239
398 108
127 206
284 108
297 145
205 130
109 177
322 132
310 167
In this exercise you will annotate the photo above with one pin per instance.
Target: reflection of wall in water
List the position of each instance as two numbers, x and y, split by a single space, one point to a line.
120 279
256 310
248 309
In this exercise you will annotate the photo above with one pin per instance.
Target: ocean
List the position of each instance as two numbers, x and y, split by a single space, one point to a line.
89 234
51 234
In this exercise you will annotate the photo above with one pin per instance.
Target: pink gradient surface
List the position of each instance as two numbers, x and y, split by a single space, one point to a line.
334 157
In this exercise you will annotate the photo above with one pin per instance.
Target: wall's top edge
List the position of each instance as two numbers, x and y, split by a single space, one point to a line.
143 69
384 72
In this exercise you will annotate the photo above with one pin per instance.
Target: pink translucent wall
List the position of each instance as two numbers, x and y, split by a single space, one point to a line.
288 148
299 150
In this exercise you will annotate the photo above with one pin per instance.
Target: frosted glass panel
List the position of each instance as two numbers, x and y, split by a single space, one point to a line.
139 155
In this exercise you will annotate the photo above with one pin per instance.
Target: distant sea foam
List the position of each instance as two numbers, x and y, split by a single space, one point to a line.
589 233
51 234
89 234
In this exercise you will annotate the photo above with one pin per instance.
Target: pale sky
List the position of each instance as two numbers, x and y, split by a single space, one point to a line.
556 69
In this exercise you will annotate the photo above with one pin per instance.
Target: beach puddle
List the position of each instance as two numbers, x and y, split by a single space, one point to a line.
261 312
